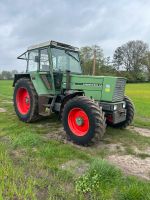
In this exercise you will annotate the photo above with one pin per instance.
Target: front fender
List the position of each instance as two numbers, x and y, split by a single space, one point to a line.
68 97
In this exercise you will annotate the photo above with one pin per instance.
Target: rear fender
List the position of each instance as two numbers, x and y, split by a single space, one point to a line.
19 76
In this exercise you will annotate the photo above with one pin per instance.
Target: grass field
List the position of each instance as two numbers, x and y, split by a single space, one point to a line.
140 94
36 163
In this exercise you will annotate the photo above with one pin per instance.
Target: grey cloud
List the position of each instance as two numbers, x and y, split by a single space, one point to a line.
85 22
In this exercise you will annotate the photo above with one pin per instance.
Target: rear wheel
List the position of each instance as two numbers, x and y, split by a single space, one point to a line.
83 120
25 100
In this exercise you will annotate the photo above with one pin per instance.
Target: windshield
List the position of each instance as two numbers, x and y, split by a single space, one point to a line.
66 60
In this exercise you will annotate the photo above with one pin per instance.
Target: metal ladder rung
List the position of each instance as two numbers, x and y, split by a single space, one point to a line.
47 105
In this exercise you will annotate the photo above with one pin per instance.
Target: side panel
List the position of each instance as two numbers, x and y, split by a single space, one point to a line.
108 88
92 86
100 88
39 85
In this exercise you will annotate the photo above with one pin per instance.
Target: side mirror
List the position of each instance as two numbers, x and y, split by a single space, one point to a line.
37 59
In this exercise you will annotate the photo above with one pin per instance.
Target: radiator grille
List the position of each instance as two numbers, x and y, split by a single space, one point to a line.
119 90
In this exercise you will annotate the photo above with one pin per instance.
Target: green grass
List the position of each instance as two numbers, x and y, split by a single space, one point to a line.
6 89
140 94
31 166
104 181
12 181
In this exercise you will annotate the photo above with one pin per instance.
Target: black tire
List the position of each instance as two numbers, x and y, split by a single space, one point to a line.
95 116
32 114
130 114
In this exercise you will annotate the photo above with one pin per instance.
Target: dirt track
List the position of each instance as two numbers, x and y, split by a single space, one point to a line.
142 131
130 164
2 110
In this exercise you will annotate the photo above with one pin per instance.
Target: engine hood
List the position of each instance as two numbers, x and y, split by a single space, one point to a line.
101 88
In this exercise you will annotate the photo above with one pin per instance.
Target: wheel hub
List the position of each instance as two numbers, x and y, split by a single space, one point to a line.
79 121
26 100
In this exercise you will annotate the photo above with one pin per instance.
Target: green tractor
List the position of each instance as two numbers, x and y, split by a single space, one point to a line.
53 82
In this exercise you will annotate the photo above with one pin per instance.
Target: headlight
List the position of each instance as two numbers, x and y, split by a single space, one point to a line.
124 105
115 107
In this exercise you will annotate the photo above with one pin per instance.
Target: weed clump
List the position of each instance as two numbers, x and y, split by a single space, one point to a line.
105 181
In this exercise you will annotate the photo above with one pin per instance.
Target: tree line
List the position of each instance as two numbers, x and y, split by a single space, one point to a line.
7 75
130 60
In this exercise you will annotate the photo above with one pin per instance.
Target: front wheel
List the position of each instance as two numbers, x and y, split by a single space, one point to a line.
83 120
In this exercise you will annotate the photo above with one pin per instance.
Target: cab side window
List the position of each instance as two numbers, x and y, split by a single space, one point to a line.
44 60
33 63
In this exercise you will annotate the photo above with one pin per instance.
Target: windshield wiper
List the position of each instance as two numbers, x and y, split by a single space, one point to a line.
71 55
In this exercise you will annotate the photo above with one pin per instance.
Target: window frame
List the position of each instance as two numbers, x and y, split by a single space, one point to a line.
67 50
38 63
40 58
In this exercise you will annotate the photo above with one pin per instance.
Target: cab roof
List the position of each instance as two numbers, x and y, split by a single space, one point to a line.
46 44
53 44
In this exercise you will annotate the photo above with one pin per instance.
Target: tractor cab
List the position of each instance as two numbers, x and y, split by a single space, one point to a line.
50 60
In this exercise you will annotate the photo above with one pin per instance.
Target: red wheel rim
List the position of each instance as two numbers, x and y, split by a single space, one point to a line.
78 121
23 101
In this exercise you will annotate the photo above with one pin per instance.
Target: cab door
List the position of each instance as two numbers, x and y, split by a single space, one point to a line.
40 69
45 69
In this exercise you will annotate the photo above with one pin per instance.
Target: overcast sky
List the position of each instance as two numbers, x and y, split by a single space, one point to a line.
78 22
